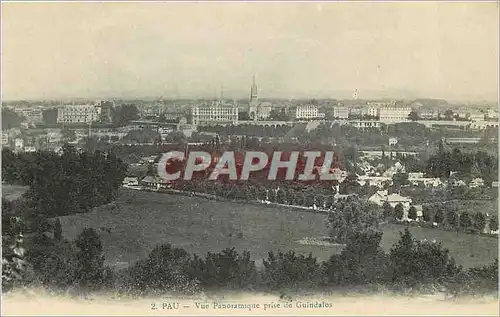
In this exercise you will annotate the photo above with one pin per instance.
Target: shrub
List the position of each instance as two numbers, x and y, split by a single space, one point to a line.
283 270
90 259
54 262
224 269
427 213
493 223
362 261
164 270
465 220
388 211
416 263
399 211
412 213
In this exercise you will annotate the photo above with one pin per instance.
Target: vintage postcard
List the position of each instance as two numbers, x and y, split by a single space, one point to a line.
250 158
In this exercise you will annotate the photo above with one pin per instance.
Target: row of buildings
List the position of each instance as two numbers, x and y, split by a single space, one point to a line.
74 113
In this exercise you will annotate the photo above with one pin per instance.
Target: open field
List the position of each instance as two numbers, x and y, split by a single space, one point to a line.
142 220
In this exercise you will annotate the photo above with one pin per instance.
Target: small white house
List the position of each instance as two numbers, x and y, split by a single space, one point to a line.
19 144
130 181
395 199
29 149
476 182
381 196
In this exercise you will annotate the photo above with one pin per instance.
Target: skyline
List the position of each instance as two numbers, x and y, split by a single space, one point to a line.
297 50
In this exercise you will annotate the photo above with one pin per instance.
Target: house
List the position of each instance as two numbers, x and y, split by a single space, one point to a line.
476 182
373 180
130 181
382 196
378 198
395 199
397 168
154 182
418 178
29 148
19 144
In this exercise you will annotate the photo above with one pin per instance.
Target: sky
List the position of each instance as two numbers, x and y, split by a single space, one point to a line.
296 50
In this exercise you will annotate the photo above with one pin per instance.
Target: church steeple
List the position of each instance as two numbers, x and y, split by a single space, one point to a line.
253 91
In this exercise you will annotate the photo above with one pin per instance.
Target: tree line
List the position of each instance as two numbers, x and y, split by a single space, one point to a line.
410 265
64 183
476 164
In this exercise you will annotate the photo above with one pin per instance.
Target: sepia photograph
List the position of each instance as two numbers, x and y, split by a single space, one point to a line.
240 158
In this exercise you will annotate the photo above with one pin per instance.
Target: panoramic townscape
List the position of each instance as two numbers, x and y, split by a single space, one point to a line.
411 205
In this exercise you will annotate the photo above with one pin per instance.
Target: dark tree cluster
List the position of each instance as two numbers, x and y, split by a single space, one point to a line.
66 183
478 164
123 114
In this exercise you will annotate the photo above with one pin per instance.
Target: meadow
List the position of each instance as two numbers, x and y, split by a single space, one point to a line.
137 221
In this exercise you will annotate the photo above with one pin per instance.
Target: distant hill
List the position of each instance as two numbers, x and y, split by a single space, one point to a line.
431 102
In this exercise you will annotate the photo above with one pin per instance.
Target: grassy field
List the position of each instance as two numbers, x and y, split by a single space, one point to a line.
142 220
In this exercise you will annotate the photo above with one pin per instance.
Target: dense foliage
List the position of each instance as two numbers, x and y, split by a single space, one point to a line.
61 184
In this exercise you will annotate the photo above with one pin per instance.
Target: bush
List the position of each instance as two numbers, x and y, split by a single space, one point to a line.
90 259
283 270
224 269
399 211
54 262
416 263
164 270
362 261
475 281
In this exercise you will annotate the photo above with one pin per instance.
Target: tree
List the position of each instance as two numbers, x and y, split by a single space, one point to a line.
165 268
399 211
479 220
123 114
465 220
494 223
452 217
413 116
415 263
10 119
448 114
400 179
427 213
350 217
412 213
90 258
68 135
283 270
362 261
58 230
388 210
350 185
439 216
224 269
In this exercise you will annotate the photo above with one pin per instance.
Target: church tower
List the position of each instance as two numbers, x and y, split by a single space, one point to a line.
254 103
253 91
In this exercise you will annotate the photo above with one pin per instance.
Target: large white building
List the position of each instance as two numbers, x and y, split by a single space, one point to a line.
78 114
365 124
306 112
394 114
371 111
341 113
32 115
214 113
